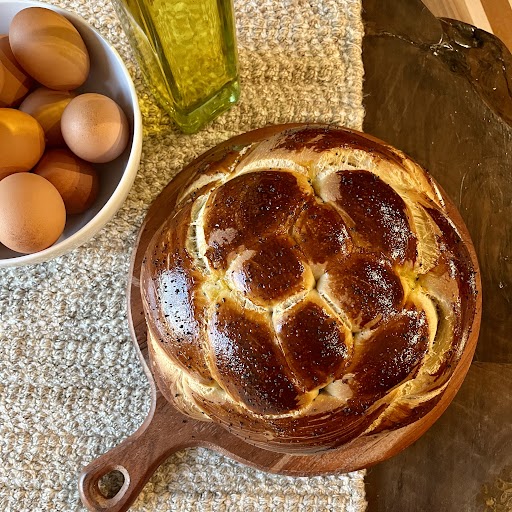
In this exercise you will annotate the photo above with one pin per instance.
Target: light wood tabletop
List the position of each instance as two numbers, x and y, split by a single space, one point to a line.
492 15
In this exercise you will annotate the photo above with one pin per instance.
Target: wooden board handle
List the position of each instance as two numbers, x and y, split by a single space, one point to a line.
136 458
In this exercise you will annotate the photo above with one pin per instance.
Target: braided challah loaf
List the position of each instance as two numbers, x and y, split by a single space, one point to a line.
308 288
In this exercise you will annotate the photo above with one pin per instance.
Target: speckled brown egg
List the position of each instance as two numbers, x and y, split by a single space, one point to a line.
15 84
75 179
21 142
95 128
49 48
46 106
32 213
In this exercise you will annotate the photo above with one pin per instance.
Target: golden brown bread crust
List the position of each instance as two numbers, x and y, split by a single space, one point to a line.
307 289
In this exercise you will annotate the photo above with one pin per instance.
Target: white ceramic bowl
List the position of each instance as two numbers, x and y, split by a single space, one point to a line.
108 76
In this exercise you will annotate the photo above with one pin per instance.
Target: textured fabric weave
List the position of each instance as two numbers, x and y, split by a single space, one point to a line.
71 386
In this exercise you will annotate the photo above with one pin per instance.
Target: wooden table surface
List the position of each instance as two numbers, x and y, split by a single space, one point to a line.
450 107
492 15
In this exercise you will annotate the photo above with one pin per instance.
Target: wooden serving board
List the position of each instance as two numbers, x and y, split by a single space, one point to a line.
166 430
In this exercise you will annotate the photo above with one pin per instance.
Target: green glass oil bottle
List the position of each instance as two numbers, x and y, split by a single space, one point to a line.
187 52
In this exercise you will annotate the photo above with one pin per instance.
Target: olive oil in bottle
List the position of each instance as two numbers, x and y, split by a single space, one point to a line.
187 52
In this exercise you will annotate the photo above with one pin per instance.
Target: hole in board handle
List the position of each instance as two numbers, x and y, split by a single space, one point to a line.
111 483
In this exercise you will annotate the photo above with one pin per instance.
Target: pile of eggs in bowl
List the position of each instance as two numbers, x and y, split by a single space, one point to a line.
50 135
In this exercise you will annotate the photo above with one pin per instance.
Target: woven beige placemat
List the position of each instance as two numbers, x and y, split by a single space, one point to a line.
71 386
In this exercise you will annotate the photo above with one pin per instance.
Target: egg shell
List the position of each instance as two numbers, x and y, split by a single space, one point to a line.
95 128
21 142
32 213
16 82
49 48
74 178
46 106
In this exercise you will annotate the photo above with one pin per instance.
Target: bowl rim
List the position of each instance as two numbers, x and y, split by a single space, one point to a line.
120 193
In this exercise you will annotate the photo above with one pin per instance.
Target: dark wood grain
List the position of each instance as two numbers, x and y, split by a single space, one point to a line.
494 16
441 91
464 462
166 430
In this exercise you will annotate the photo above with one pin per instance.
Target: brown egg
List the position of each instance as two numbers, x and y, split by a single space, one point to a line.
95 128
16 83
21 142
46 106
32 213
49 48
75 179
